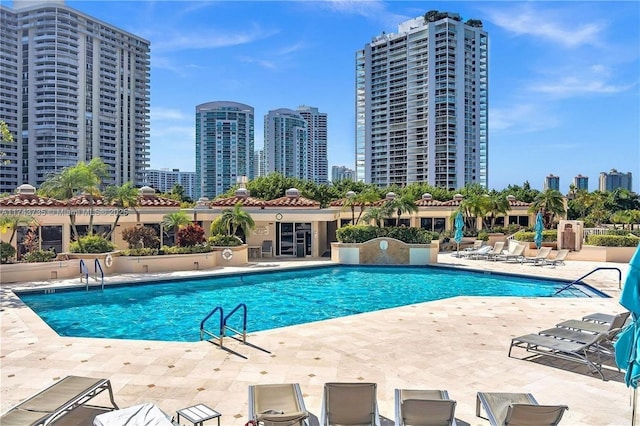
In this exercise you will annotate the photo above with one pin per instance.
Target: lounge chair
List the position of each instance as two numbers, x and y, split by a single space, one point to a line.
497 249
277 404
424 408
474 254
561 255
515 252
563 349
517 409
617 322
68 396
599 317
542 254
349 404
266 248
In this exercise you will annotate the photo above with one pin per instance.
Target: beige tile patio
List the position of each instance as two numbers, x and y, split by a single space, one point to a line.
457 344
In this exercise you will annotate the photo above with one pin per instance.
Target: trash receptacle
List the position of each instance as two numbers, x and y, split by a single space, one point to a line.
300 250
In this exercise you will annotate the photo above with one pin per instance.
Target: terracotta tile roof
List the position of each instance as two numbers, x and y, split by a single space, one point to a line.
29 200
340 203
84 200
148 200
231 201
516 203
292 202
423 202
451 203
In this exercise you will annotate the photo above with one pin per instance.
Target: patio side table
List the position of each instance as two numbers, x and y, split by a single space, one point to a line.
198 414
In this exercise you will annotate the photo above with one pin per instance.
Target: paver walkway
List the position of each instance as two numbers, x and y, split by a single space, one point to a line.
457 344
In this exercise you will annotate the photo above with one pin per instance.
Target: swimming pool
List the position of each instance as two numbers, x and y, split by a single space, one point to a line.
172 310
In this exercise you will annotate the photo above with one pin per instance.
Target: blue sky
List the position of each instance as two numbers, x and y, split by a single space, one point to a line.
564 92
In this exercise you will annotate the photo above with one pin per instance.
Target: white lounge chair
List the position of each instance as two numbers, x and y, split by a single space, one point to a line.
561 255
277 404
350 404
539 258
517 409
424 408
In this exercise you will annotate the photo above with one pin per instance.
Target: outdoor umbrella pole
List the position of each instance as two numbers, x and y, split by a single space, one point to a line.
633 406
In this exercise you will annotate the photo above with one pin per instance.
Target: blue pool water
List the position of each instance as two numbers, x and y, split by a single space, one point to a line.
172 311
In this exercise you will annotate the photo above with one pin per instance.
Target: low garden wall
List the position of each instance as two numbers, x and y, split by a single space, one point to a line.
65 269
384 251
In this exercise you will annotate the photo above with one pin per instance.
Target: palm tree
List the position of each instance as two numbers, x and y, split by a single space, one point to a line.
73 181
350 203
400 205
237 218
174 221
363 200
473 207
496 204
550 203
13 222
121 197
377 215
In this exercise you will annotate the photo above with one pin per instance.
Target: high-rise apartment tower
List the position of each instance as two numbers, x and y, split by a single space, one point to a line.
286 147
73 88
317 140
224 146
615 179
422 103
551 182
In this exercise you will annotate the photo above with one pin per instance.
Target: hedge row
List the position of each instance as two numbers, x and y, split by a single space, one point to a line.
613 240
364 233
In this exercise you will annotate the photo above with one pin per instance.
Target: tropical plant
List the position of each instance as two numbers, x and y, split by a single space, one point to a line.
5 138
11 222
174 221
7 251
190 235
122 198
377 215
39 256
144 236
224 241
237 218
400 205
551 204
92 244
496 205
72 181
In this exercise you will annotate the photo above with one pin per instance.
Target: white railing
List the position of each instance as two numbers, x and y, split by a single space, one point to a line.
593 231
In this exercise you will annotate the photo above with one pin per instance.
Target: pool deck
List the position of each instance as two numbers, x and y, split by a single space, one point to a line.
457 344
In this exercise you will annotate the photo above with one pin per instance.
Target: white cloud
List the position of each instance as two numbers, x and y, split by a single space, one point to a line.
264 63
206 39
162 114
544 24
521 118
576 81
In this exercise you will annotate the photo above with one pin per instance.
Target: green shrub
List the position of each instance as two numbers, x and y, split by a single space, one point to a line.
40 256
198 248
224 241
619 232
146 251
409 235
7 251
613 240
483 235
363 233
548 236
356 233
92 244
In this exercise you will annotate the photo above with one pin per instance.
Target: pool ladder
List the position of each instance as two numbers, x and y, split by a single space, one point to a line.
579 280
84 273
218 339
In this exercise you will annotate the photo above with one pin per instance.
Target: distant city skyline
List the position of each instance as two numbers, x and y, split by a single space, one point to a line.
564 87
